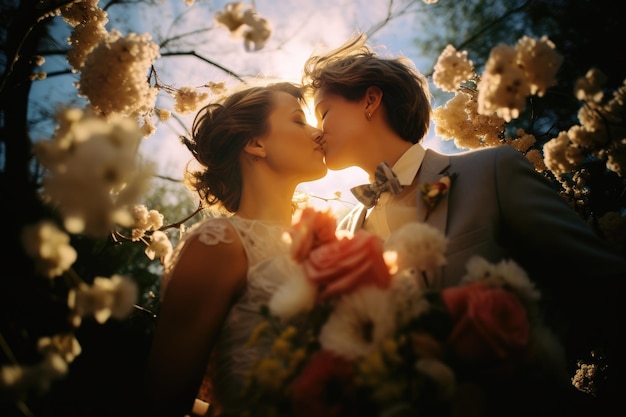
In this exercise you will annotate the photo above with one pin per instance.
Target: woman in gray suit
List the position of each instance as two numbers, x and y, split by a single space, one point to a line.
376 109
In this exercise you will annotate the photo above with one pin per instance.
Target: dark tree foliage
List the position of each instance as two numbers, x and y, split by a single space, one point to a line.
582 31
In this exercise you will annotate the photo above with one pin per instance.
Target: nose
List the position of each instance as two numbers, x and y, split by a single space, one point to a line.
317 136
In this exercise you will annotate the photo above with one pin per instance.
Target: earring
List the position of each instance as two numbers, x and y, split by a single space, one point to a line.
368 115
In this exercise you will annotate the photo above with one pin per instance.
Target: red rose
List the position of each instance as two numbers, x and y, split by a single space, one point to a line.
325 388
341 266
491 325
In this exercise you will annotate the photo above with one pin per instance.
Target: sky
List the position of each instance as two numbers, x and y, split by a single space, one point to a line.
299 28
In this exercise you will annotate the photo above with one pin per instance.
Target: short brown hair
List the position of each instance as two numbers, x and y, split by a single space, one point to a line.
353 67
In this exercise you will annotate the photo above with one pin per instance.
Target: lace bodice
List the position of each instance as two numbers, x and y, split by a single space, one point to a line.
269 264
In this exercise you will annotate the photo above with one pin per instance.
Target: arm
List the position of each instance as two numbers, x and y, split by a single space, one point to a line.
203 285
540 224
583 276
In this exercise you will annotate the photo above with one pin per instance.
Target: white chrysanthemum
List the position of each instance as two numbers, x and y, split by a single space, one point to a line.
114 297
49 247
477 268
65 345
418 245
452 69
113 77
440 373
503 87
505 272
160 246
540 62
560 156
93 171
360 322
512 274
295 295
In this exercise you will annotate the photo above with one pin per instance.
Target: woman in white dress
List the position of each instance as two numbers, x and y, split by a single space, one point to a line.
255 147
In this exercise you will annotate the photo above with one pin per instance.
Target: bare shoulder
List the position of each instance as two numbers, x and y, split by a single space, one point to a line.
213 260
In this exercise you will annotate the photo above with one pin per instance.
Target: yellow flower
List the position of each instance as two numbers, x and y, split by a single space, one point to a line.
270 374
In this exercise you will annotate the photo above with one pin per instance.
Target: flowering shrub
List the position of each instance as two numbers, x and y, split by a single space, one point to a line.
363 341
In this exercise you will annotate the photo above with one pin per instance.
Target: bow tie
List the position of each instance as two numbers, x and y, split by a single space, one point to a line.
384 180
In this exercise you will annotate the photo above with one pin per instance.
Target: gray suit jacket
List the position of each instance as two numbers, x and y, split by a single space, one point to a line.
499 207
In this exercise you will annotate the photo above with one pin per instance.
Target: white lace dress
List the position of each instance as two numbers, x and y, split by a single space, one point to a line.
269 265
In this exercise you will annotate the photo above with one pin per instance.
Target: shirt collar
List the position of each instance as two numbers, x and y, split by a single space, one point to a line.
409 163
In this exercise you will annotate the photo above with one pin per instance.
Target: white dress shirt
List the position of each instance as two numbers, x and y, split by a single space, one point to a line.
392 211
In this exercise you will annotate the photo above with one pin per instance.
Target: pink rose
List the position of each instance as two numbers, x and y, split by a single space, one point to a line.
342 265
312 229
490 325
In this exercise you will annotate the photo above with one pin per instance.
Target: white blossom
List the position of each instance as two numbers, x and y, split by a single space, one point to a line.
49 247
66 345
107 297
114 75
189 99
452 69
17 381
160 246
93 173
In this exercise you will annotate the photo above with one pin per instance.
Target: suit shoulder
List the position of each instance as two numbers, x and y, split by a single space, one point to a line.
492 152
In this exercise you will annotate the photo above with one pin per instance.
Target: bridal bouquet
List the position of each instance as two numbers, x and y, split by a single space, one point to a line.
360 333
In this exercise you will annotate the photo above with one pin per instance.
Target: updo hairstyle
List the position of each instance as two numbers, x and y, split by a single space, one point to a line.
220 131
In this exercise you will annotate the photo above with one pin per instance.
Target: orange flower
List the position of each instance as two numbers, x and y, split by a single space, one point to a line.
313 228
341 266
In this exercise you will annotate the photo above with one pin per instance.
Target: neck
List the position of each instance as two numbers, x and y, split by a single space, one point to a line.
388 151
268 201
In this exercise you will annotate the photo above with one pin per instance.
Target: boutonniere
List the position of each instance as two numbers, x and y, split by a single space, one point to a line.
433 192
